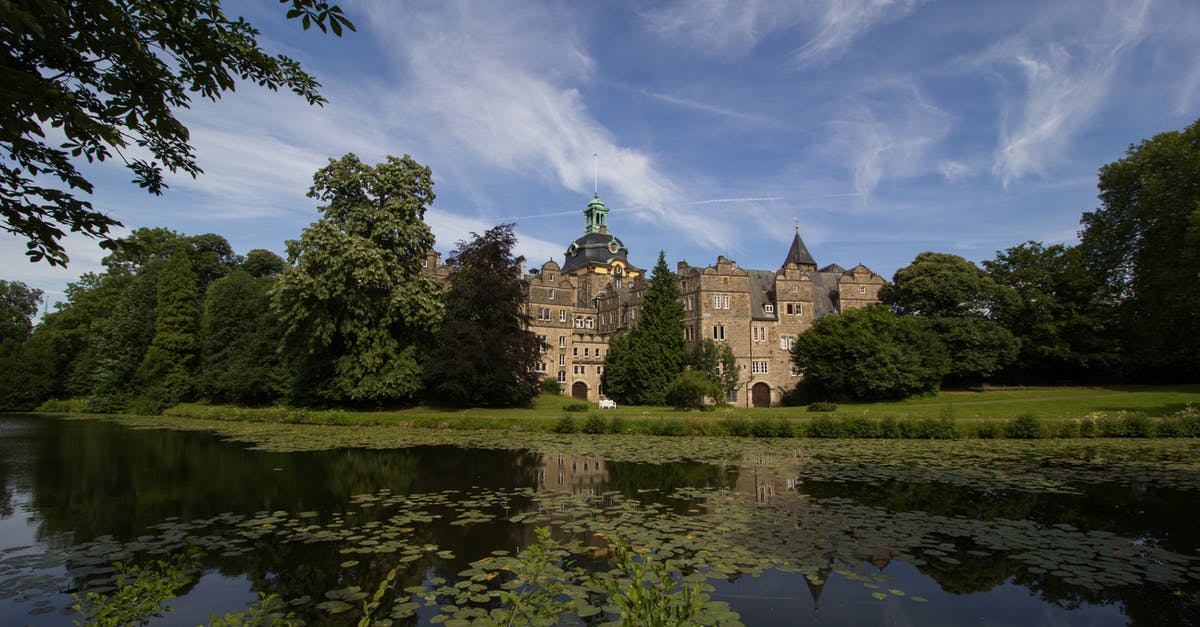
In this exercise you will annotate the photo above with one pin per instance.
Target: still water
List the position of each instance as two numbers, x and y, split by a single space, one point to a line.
788 532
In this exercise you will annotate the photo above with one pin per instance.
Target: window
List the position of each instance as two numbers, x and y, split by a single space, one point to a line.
543 314
562 360
542 366
720 301
578 322
562 341
799 309
425 262
587 352
599 369
731 396
574 351
788 309
550 277
562 315
760 334
795 371
562 376
769 309
591 323
758 367
718 332
786 342
597 353
862 289
550 294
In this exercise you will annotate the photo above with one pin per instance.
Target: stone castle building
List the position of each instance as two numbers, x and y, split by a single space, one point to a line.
597 292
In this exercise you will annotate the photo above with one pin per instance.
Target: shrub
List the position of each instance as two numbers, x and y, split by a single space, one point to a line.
666 426
1183 423
889 427
594 424
771 428
550 386
824 427
822 406
1026 427
689 390
566 425
576 407
616 425
928 429
736 425
859 427
987 430
61 406
1137 426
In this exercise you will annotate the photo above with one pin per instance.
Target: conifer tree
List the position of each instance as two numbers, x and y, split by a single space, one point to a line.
165 373
639 368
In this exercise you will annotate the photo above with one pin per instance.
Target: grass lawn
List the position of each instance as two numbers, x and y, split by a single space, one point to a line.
1050 404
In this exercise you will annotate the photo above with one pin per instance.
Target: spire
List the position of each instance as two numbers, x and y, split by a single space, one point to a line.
798 253
596 216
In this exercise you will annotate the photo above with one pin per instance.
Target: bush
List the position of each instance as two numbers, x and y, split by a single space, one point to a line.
576 407
771 428
616 425
566 425
1026 427
928 429
859 427
822 406
802 394
594 424
987 430
1137 426
824 427
690 389
550 386
1183 423
889 427
736 425
61 406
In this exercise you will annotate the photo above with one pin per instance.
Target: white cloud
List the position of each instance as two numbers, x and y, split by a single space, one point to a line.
844 21
723 26
954 170
1067 61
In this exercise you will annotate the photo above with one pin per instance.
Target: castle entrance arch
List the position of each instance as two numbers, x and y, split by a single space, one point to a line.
579 390
760 395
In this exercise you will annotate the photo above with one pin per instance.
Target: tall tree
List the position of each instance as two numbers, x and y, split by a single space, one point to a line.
638 369
105 371
165 374
1143 245
356 309
1062 325
18 305
715 361
210 255
27 366
485 354
869 354
239 342
110 76
956 300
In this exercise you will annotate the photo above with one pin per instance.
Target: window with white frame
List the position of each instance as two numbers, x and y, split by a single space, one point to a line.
574 351
591 323
758 367
720 301
760 334
550 294
562 360
587 352
718 332
578 322
562 376
862 289
769 309
543 366
562 341
795 371
550 277
786 342
731 397
562 315
599 369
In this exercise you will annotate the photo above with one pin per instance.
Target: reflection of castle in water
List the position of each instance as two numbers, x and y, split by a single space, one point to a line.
572 475
764 483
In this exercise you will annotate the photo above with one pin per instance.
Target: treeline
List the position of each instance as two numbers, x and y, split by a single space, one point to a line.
349 319
1121 306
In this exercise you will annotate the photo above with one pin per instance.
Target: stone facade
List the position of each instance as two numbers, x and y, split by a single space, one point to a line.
597 292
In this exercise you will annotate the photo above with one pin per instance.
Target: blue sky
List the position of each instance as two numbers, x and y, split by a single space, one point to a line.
886 128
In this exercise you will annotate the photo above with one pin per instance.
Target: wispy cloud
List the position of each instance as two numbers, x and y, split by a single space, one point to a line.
843 21
1066 60
954 170
723 26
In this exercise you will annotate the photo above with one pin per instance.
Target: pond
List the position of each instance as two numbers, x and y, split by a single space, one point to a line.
789 531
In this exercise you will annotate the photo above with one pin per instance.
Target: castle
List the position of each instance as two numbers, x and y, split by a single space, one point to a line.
596 292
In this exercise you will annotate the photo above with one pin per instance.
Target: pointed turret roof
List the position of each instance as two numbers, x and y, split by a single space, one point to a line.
798 253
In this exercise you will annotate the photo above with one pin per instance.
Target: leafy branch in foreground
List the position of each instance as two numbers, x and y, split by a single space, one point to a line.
140 594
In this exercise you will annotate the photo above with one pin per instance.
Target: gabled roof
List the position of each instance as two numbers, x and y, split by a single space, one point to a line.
799 254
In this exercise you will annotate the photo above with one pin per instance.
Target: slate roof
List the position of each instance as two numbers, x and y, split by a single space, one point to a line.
594 248
798 253
762 292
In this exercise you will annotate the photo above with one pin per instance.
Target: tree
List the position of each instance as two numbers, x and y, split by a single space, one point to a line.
957 300
715 361
356 309
261 263
1062 326
210 255
485 354
109 76
1143 246
638 368
239 342
105 371
869 354
18 305
165 373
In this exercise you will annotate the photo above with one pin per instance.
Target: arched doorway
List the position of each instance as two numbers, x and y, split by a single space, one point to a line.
579 390
760 395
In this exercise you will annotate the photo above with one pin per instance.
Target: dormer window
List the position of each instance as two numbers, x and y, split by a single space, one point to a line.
769 309
550 277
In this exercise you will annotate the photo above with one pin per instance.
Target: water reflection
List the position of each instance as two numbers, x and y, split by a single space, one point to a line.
302 524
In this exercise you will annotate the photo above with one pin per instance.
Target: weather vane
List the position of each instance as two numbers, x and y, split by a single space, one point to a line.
796 223
596 173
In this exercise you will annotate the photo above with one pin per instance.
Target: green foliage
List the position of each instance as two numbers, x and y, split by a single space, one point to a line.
822 406
261 263
939 285
1143 246
156 56
594 424
736 425
271 611
978 348
355 308
823 427
165 373
535 594
566 425
1027 427
763 427
647 594
928 429
105 370
690 389
577 407
715 361
18 305
485 355
869 353
239 340
669 426
1058 317
641 364
140 593
550 386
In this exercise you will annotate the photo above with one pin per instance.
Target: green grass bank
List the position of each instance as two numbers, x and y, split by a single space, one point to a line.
1058 412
